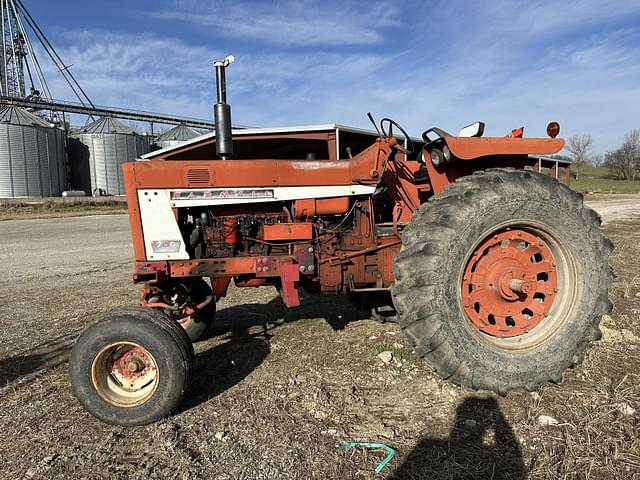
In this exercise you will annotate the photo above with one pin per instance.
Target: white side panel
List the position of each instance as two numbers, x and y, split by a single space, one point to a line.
159 223
229 196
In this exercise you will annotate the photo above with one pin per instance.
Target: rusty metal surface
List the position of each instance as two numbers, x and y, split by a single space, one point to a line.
475 147
288 231
324 260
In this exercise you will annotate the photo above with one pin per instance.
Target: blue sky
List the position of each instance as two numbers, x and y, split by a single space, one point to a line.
423 63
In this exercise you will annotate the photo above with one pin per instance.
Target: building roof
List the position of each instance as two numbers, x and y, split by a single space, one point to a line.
20 116
269 131
108 125
180 133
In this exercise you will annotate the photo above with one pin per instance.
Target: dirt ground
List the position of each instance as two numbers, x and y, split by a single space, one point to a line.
615 207
277 391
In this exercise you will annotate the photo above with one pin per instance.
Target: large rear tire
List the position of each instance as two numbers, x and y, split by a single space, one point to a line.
502 280
131 367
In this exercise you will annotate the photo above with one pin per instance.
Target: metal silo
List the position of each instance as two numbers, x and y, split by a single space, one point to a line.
31 155
97 152
176 136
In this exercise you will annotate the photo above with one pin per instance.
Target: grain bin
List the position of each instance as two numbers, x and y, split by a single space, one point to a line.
32 161
97 152
176 136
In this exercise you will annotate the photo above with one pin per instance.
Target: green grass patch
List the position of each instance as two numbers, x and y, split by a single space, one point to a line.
599 180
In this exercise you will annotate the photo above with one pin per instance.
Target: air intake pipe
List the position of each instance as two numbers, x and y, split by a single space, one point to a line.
222 111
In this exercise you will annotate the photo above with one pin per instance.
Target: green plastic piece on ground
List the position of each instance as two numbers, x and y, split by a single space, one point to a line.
385 460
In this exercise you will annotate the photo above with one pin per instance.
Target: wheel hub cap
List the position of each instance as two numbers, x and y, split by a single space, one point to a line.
133 369
509 283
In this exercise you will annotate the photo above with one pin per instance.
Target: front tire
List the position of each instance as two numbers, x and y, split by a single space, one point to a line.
131 367
502 280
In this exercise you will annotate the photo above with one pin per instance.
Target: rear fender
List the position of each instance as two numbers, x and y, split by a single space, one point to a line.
469 154
470 148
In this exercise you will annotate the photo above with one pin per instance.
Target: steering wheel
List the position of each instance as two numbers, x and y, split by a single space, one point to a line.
407 151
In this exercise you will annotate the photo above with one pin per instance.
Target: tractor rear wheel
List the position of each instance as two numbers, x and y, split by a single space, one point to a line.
502 280
131 367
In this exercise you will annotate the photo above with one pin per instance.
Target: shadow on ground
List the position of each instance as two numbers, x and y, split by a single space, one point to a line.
39 358
246 331
219 368
337 311
481 445
223 366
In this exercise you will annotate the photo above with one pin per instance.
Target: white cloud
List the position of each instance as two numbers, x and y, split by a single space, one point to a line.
288 22
468 69
138 71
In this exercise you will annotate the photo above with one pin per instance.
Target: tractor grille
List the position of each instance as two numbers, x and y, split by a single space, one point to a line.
198 177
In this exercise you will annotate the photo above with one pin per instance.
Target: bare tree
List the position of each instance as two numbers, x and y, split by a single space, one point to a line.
624 162
598 160
581 149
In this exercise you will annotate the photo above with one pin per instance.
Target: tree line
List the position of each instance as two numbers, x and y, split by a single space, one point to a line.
623 163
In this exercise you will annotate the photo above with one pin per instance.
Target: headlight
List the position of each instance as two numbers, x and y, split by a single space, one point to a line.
447 154
166 246
437 157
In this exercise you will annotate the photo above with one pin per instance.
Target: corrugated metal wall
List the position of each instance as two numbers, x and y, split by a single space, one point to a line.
96 159
31 161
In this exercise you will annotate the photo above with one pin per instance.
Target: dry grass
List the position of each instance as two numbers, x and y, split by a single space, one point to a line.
11 209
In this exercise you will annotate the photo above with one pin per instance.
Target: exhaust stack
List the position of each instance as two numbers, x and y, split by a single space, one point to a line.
222 111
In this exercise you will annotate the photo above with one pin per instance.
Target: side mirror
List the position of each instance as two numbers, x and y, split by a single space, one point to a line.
474 130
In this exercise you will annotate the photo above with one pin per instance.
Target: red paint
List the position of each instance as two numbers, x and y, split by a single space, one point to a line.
509 284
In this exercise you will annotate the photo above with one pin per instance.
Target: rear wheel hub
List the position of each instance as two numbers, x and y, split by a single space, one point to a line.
509 283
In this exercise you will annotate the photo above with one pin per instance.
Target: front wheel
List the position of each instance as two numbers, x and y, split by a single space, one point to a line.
131 367
502 280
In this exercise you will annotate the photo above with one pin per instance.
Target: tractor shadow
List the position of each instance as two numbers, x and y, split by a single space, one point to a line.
337 311
246 334
481 445
38 359
225 365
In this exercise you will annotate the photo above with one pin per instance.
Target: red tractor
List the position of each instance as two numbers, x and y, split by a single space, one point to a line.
497 274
